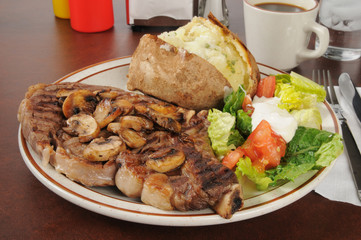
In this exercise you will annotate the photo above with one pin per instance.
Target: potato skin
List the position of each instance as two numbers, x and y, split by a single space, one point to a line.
176 76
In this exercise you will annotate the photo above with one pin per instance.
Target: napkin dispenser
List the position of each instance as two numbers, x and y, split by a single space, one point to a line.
160 12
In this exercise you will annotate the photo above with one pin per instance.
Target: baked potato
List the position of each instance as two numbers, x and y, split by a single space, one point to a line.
194 66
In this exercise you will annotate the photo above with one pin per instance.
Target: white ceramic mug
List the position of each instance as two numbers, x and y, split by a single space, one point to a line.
280 39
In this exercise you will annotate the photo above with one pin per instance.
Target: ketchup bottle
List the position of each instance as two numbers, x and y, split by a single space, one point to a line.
91 15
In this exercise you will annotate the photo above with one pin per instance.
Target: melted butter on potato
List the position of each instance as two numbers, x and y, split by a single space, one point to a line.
209 41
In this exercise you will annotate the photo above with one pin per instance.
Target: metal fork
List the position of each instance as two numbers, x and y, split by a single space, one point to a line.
353 153
330 91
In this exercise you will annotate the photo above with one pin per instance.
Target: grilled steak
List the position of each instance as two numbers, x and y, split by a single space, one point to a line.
103 136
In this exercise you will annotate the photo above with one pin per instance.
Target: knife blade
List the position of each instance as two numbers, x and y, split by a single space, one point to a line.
350 93
354 155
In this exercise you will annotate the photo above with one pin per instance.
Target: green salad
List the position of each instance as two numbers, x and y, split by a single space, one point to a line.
254 144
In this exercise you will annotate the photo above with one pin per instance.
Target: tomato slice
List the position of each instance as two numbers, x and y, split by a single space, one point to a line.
247 105
231 159
266 87
264 147
278 152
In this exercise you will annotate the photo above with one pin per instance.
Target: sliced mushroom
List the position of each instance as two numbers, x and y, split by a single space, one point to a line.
103 149
166 109
107 93
81 101
136 123
114 127
105 113
82 125
125 106
63 93
157 191
165 159
130 122
188 115
132 138
162 115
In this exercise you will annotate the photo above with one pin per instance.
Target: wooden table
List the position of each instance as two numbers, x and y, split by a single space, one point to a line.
37 47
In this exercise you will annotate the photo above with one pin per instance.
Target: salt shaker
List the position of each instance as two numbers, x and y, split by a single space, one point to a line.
217 7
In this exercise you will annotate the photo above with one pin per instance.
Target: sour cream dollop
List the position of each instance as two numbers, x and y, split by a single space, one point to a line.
281 121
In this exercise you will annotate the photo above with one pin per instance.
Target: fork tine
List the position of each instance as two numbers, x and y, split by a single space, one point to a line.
321 79
323 83
332 89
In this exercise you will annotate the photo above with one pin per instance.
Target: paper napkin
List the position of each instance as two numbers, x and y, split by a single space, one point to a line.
338 185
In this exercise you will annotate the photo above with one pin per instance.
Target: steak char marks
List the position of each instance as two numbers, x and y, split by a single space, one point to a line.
149 149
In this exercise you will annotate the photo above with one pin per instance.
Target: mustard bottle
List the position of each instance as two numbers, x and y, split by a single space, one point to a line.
61 8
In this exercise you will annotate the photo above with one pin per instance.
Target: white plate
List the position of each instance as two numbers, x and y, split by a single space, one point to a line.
110 202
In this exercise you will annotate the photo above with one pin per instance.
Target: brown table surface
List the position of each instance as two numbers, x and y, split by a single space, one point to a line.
37 47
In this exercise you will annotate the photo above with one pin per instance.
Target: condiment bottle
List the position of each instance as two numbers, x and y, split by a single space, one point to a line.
91 15
61 8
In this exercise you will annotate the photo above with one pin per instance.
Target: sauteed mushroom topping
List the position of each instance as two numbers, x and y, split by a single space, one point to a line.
106 93
132 138
125 106
165 116
105 113
114 127
165 159
136 123
82 125
103 149
80 101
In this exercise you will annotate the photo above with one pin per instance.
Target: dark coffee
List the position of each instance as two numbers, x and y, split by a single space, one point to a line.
280 7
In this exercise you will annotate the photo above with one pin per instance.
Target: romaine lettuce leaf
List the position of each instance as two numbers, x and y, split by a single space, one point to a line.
235 138
292 99
291 170
310 117
244 123
222 132
306 85
298 92
245 167
233 102
283 78
329 151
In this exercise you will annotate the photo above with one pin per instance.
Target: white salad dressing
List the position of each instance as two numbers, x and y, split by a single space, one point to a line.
281 121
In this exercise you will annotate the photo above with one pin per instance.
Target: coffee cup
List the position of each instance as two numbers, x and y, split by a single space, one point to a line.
278 31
